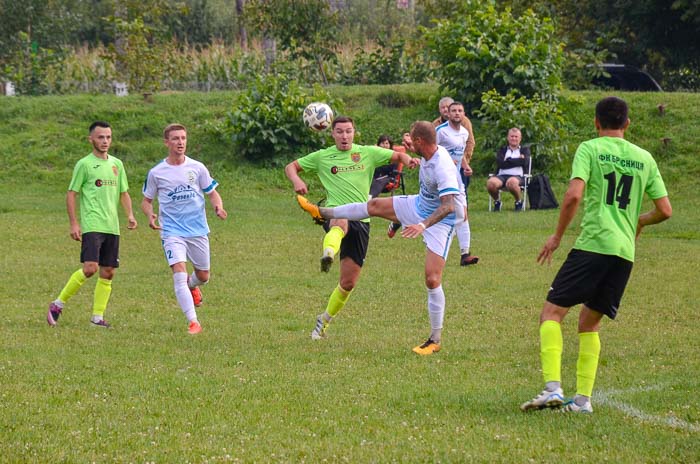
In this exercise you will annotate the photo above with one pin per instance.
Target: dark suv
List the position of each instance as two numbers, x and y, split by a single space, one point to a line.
625 77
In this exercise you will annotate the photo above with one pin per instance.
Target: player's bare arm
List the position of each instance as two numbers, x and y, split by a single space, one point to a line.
147 208
405 159
125 199
569 206
662 211
292 171
75 232
447 206
218 204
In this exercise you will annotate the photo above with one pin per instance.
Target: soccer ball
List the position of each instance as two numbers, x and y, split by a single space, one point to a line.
318 116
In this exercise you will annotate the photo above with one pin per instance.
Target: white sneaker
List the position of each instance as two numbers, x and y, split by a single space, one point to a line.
327 259
319 331
571 406
546 399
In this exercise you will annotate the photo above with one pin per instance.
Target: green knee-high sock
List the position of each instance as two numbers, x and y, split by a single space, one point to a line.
102 291
77 279
587 364
551 347
333 238
337 300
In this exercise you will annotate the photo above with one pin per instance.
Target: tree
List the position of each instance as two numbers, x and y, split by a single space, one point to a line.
480 48
305 28
656 35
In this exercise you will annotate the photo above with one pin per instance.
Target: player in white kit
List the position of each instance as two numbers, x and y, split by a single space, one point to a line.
453 137
180 183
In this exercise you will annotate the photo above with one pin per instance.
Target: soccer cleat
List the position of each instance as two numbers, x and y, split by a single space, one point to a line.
100 323
519 206
327 259
571 406
546 399
393 228
196 296
53 314
468 259
429 347
497 206
310 208
194 328
319 331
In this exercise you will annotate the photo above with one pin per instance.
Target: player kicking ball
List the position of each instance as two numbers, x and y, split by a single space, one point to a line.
611 176
432 213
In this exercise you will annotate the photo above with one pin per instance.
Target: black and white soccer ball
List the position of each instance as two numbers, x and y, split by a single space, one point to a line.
318 116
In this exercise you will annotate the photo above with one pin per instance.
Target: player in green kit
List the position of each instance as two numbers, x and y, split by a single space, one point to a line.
611 176
100 181
346 171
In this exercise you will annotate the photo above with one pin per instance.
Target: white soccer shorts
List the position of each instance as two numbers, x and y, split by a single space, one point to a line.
437 238
194 249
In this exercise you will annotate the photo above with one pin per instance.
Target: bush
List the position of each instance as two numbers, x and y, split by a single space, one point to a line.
479 49
541 122
266 123
388 64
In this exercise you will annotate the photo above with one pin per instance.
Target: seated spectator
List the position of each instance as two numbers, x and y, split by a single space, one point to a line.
512 160
383 175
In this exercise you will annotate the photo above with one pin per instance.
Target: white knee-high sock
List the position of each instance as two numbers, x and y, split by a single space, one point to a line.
351 211
184 296
464 235
436 311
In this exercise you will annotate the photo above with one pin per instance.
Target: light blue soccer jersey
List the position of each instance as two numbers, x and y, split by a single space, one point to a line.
453 140
180 191
438 177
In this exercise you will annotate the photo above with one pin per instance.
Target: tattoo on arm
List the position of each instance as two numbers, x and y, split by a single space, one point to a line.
447 205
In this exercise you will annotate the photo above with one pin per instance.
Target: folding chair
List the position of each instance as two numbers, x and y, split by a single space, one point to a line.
523 188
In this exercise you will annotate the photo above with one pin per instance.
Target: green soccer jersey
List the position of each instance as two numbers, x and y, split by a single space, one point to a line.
346 175
617 174
100 183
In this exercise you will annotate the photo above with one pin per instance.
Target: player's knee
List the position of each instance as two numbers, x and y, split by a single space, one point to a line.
202 276
373 206
107 273
89 269
433 281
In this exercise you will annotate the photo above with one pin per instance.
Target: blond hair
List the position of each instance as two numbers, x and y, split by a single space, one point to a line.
172 127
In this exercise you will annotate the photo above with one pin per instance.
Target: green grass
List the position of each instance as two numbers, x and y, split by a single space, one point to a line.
253 386
43 137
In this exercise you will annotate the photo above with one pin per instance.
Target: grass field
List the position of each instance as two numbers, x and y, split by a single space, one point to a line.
253 387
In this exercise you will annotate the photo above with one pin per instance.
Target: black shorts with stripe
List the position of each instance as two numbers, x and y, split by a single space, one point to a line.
594 279
100 248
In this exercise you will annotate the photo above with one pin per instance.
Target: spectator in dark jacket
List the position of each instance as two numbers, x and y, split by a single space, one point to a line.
513 162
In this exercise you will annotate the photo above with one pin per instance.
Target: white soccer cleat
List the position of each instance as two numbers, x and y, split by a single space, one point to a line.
571 406
546 399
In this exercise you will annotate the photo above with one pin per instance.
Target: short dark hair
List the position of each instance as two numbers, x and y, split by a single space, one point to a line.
99 124
455 103
340 119
423 130
384 138
612 113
